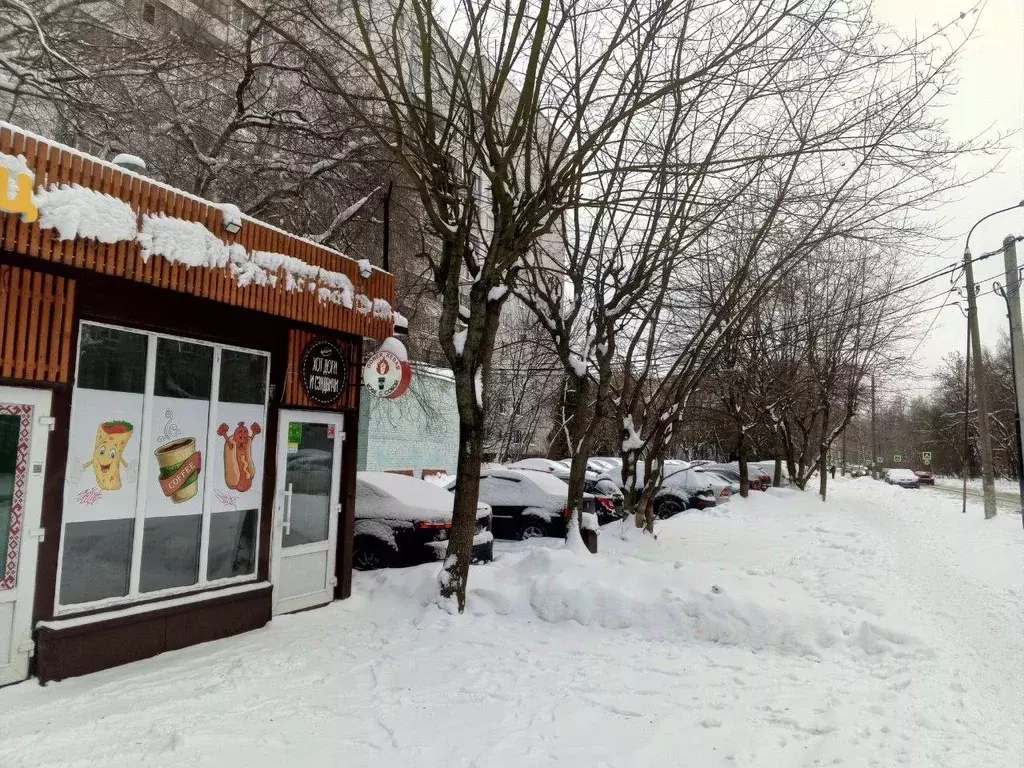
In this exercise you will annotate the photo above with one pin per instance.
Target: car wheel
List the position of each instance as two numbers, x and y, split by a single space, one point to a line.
668 507
369 554
532 529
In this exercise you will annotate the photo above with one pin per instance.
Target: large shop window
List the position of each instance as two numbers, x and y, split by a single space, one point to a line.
165 467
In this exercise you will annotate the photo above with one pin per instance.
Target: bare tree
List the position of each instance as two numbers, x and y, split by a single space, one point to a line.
218 104
845 147
520 95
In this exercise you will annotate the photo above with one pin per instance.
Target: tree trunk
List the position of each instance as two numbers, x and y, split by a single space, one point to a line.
578 434
741 455
777 478
455 573
822 451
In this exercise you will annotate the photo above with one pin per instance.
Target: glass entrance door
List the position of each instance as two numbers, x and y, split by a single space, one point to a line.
306 509
22 462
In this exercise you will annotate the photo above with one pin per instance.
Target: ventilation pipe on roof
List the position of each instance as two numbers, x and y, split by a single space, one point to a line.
132 163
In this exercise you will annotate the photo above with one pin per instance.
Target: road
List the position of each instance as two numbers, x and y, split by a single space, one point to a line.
1006 501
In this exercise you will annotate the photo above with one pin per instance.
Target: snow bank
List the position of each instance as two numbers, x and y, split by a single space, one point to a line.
75 211
876 629
650 600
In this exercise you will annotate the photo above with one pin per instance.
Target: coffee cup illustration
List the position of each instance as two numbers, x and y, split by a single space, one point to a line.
180 464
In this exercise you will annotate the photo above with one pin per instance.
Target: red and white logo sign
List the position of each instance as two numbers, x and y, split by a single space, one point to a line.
386 374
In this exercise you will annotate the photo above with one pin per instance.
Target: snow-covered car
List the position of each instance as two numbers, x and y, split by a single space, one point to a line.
683 488
701 462
404 521
607 496
732 472
904 478
606 462
766 471
716 478
857 470
556 468
526 503
608 499
723 487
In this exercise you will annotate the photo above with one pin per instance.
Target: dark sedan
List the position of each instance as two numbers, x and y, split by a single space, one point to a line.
527 504
925 478
404 521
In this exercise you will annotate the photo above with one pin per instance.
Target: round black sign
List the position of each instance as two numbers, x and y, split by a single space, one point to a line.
324 372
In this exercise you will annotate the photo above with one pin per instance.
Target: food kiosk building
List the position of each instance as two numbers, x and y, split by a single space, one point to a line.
179 391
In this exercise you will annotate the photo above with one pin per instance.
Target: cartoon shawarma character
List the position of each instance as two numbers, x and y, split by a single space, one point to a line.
239 470
108 453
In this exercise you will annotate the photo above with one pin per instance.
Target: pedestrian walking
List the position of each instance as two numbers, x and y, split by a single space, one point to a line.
832 470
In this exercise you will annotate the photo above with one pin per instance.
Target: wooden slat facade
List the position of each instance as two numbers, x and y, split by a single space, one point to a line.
58 165
35 325
295 395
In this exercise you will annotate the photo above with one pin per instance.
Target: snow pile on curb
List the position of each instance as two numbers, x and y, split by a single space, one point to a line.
656 600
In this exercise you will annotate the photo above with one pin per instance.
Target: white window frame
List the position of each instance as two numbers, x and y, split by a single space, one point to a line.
134 595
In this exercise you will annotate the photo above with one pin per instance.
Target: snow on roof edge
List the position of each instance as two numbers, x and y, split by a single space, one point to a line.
162 185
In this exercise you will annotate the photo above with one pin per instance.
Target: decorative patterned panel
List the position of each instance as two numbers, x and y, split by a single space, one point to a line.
10 574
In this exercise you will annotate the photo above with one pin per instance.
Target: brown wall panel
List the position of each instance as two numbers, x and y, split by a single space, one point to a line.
63 653
35 312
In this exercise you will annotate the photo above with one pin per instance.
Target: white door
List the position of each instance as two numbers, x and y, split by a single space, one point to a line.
306 509
22 461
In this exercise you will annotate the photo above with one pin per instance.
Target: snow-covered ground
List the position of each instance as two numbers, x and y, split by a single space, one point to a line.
880 629
1002 485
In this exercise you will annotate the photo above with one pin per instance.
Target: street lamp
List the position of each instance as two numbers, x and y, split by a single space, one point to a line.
988 480
967 245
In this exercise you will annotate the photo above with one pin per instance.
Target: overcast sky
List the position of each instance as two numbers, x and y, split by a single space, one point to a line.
990 94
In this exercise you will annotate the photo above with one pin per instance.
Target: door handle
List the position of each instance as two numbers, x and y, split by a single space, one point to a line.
288 510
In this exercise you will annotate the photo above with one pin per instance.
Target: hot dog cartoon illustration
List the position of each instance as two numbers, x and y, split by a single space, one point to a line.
108 453
239 470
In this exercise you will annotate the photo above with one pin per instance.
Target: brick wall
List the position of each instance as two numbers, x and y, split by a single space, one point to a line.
419 430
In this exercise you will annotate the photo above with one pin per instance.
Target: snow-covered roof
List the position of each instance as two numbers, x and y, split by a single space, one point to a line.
259 266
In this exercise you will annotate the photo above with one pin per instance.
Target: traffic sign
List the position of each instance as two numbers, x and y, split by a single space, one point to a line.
926 457
897 458
879 459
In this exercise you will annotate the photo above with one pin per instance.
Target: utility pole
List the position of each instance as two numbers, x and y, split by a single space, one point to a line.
967 415
874 437
1016 342
988 480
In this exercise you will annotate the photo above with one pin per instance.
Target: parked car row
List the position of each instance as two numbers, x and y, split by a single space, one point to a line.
404 521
